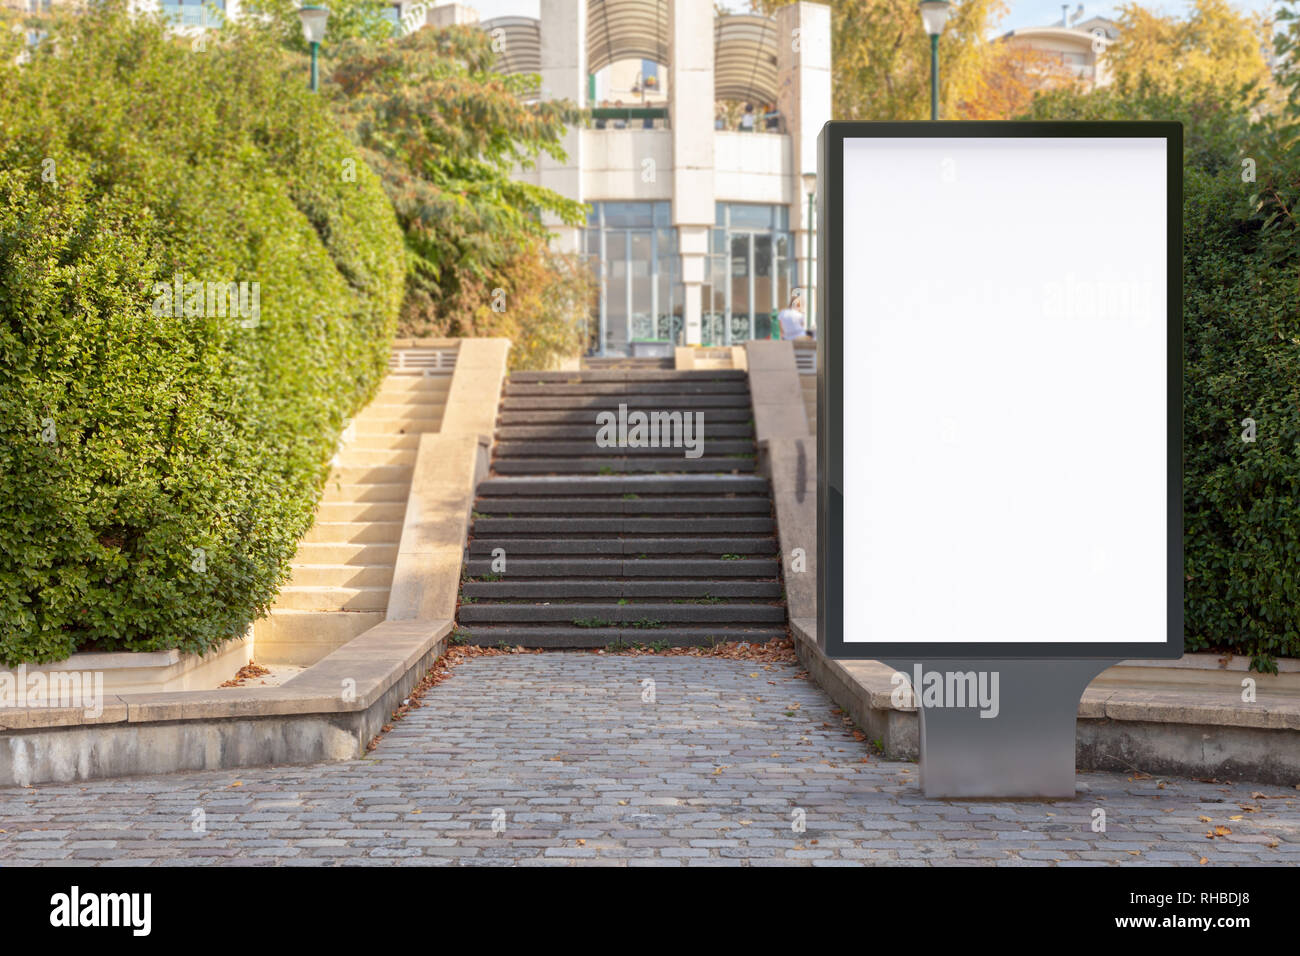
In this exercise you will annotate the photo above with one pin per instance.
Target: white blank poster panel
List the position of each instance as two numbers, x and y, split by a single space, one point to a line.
1004 347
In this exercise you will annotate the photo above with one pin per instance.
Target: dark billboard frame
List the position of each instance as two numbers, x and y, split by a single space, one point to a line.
830 391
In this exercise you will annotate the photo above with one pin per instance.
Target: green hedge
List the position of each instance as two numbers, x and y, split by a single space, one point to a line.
157 470
1241 498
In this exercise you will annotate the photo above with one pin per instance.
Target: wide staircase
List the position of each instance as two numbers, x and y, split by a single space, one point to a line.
343 568
578 545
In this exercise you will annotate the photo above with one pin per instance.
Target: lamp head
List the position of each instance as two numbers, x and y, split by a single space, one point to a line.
934 14
313 22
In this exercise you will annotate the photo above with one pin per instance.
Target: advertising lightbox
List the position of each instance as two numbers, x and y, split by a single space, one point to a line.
1000 389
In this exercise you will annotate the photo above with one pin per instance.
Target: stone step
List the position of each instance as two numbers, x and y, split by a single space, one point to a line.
314 598
342 575
618 566
365 424
416 385
371 474
354 457
659 547
354 532
615 390
646 616
624 485
361 511
506 433
634 589
713 447
633 401
579 637
414 407
630 375
303 637
560 527
364 491
358 553
508 418
628 363
385 442
615 465
624 505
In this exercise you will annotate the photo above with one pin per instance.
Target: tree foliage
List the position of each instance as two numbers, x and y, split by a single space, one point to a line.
158 465
880 56
1214 48
447 135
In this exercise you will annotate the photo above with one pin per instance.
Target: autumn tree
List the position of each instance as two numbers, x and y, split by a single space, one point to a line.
1215 48
880 56
1011 76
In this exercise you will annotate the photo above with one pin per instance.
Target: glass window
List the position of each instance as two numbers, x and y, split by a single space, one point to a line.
632 249
194 13
750 216
750 274
393 14
629 215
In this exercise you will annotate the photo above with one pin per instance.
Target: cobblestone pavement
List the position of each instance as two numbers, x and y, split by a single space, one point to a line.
561 753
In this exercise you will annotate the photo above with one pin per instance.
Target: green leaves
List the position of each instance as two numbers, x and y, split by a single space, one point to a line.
445 134
162 502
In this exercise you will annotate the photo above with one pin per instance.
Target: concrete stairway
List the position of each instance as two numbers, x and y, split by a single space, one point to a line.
343 569
622 363
622 545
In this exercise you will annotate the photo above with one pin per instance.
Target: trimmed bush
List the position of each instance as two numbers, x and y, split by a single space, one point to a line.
160 456
1242 491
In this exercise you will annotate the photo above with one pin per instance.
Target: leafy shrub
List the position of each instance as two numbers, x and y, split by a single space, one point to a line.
157 468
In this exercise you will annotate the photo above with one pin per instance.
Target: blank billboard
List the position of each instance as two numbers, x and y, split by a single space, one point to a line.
1001 355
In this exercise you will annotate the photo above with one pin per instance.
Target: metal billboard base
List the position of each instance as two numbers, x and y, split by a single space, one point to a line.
1025 749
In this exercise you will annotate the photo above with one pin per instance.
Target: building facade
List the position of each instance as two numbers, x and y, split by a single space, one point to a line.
1077 45
699 163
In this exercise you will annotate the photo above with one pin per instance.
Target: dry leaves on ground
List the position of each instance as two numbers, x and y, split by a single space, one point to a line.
247 672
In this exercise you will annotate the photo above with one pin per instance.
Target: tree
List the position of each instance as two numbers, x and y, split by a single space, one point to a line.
1215 47
1011 76
446 134
880 56
348 20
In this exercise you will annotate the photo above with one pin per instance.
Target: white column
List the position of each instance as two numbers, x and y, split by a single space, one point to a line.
804 98
564 76
690 106
450 14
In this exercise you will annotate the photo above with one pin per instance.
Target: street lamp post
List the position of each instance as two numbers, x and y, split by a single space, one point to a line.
934 14
313 28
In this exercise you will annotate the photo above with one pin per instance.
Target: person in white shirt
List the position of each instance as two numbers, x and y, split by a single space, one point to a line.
791 318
